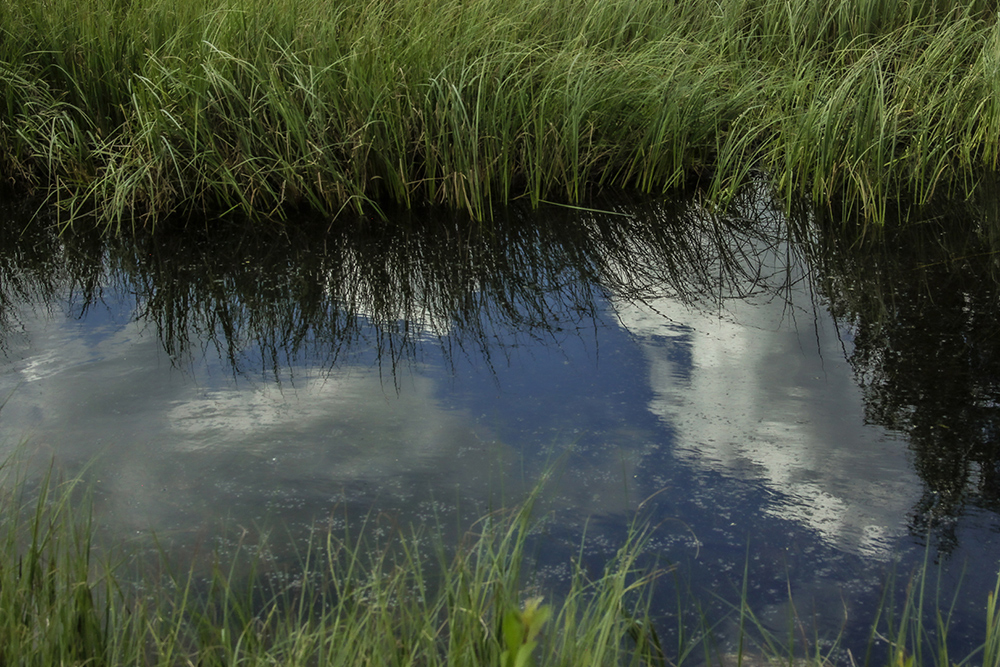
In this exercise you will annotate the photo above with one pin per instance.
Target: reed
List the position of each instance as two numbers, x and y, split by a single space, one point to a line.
135 110
910 628
401 599
346 600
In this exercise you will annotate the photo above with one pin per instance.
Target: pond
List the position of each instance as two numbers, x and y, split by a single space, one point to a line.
781 396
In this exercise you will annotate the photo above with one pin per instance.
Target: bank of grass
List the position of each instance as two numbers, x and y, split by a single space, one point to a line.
406 601
136 109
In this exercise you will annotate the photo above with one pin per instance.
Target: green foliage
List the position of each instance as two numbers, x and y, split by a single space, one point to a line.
52 604
520 630
136 110
991 647
405 600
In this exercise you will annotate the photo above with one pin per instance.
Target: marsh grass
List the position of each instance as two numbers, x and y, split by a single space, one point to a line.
137 110
916 631
50 610
396 599
405 599
909 627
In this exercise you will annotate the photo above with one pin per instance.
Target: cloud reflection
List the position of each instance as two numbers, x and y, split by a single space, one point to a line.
751 395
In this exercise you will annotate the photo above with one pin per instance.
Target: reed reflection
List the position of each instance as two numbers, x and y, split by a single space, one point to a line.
918 307
266 301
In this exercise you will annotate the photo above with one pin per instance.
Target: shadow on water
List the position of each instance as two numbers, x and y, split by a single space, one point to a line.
918 306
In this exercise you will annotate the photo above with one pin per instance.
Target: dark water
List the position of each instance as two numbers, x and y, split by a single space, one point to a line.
775 393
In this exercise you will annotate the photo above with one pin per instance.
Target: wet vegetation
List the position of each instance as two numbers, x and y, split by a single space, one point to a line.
137 110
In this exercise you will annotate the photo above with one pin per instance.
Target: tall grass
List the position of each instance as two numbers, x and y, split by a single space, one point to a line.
66 598
405 600
144 108
908 628
51 612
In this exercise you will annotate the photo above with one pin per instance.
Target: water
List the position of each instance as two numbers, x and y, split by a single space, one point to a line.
773 394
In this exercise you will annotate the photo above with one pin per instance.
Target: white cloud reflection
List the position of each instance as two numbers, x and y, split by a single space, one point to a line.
751 395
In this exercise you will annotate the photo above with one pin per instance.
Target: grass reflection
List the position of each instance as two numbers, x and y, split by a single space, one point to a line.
268 299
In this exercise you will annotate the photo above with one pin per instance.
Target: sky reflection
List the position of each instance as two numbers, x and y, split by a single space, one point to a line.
671 365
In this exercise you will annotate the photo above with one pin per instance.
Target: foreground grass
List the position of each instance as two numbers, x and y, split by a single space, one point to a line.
406 601
151 107
348 602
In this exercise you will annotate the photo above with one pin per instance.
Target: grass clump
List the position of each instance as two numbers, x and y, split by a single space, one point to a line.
405 601
135 110
399 600
51 612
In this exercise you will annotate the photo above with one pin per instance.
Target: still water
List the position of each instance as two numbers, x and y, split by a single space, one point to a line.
776 394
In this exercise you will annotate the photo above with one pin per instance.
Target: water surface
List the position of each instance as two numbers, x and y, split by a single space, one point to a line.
771 392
